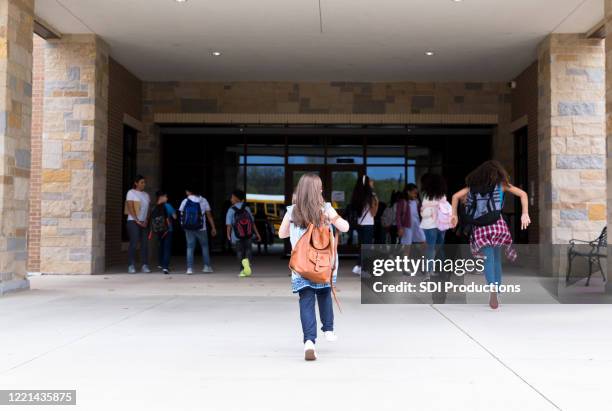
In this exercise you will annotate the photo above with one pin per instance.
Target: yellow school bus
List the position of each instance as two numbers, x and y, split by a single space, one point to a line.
272 206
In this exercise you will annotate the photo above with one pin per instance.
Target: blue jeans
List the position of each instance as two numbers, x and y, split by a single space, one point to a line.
137 234
202 237
307 311
366 236
434 239
492 264
165 250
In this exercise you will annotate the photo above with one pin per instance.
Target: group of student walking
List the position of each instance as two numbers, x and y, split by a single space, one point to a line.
406 219
479 204
311 224
156 222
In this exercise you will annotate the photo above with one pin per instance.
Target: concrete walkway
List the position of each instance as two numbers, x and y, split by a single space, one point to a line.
217 342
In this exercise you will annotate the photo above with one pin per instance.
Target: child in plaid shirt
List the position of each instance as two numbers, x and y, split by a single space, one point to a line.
488 239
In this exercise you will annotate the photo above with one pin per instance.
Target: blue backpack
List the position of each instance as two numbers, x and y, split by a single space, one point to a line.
191 217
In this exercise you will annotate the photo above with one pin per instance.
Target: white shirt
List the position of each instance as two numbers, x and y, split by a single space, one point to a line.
366 217
429 212
144 200
204 206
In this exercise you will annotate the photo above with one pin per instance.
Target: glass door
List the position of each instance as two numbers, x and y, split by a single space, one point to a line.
339 187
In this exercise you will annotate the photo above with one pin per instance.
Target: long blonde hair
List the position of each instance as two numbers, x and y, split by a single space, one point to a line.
308 201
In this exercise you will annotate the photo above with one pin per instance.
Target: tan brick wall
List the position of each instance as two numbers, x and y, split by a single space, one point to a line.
572 144
75 127
36 169
124 97
320 98
525 103
16 25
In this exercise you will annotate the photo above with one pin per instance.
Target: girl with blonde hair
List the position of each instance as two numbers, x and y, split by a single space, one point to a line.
309 207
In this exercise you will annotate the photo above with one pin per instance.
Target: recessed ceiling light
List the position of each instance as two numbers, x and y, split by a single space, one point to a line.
429 53
181 1
216 53
457 1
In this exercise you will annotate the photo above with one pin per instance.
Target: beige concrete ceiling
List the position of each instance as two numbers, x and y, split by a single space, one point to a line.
312 40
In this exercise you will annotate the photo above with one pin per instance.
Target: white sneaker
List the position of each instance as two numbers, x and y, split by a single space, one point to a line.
189 271
330 336
357 270
207 269
145 269
309 351
131 269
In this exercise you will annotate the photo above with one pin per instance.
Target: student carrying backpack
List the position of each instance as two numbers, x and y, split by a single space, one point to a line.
484 194
436 214
162 217
314 260
193 210
242 223
191 215
159 220
240 226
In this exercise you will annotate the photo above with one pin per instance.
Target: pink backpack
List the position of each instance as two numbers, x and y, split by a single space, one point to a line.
445 211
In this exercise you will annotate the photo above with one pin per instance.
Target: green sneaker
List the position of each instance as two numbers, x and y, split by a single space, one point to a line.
242 274
246 267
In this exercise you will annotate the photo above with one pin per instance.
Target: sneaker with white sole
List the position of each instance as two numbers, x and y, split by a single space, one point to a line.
145 269
131 269
165 271
189 271
330 336
207 269
357 270
309 351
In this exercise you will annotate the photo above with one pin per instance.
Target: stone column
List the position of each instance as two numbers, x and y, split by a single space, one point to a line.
16 25
571 138
75 130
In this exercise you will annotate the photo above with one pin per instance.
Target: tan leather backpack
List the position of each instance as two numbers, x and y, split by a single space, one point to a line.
314 256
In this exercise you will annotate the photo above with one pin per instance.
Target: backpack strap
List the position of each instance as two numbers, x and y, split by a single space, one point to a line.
336 238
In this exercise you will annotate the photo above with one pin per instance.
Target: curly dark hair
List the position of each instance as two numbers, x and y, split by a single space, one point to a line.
433 186
488 175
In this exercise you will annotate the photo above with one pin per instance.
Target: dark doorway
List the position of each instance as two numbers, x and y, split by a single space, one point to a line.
266 163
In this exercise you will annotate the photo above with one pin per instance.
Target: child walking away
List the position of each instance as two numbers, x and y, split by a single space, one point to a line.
364 206
162 219
193 210
484 200
436 212
408 222
309 218
240 227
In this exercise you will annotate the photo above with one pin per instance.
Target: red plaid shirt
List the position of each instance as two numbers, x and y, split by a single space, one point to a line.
492 235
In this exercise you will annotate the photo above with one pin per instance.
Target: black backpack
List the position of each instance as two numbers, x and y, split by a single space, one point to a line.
243 223
483 206
159 220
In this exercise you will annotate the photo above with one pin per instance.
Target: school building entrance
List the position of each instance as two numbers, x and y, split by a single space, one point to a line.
267 162
254 98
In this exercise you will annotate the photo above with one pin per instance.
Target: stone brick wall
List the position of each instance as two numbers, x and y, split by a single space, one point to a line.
16 25
124 97
525 103
36 147
320 98
75 128
571 134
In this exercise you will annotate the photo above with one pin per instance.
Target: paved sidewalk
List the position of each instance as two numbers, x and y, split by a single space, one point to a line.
217 342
